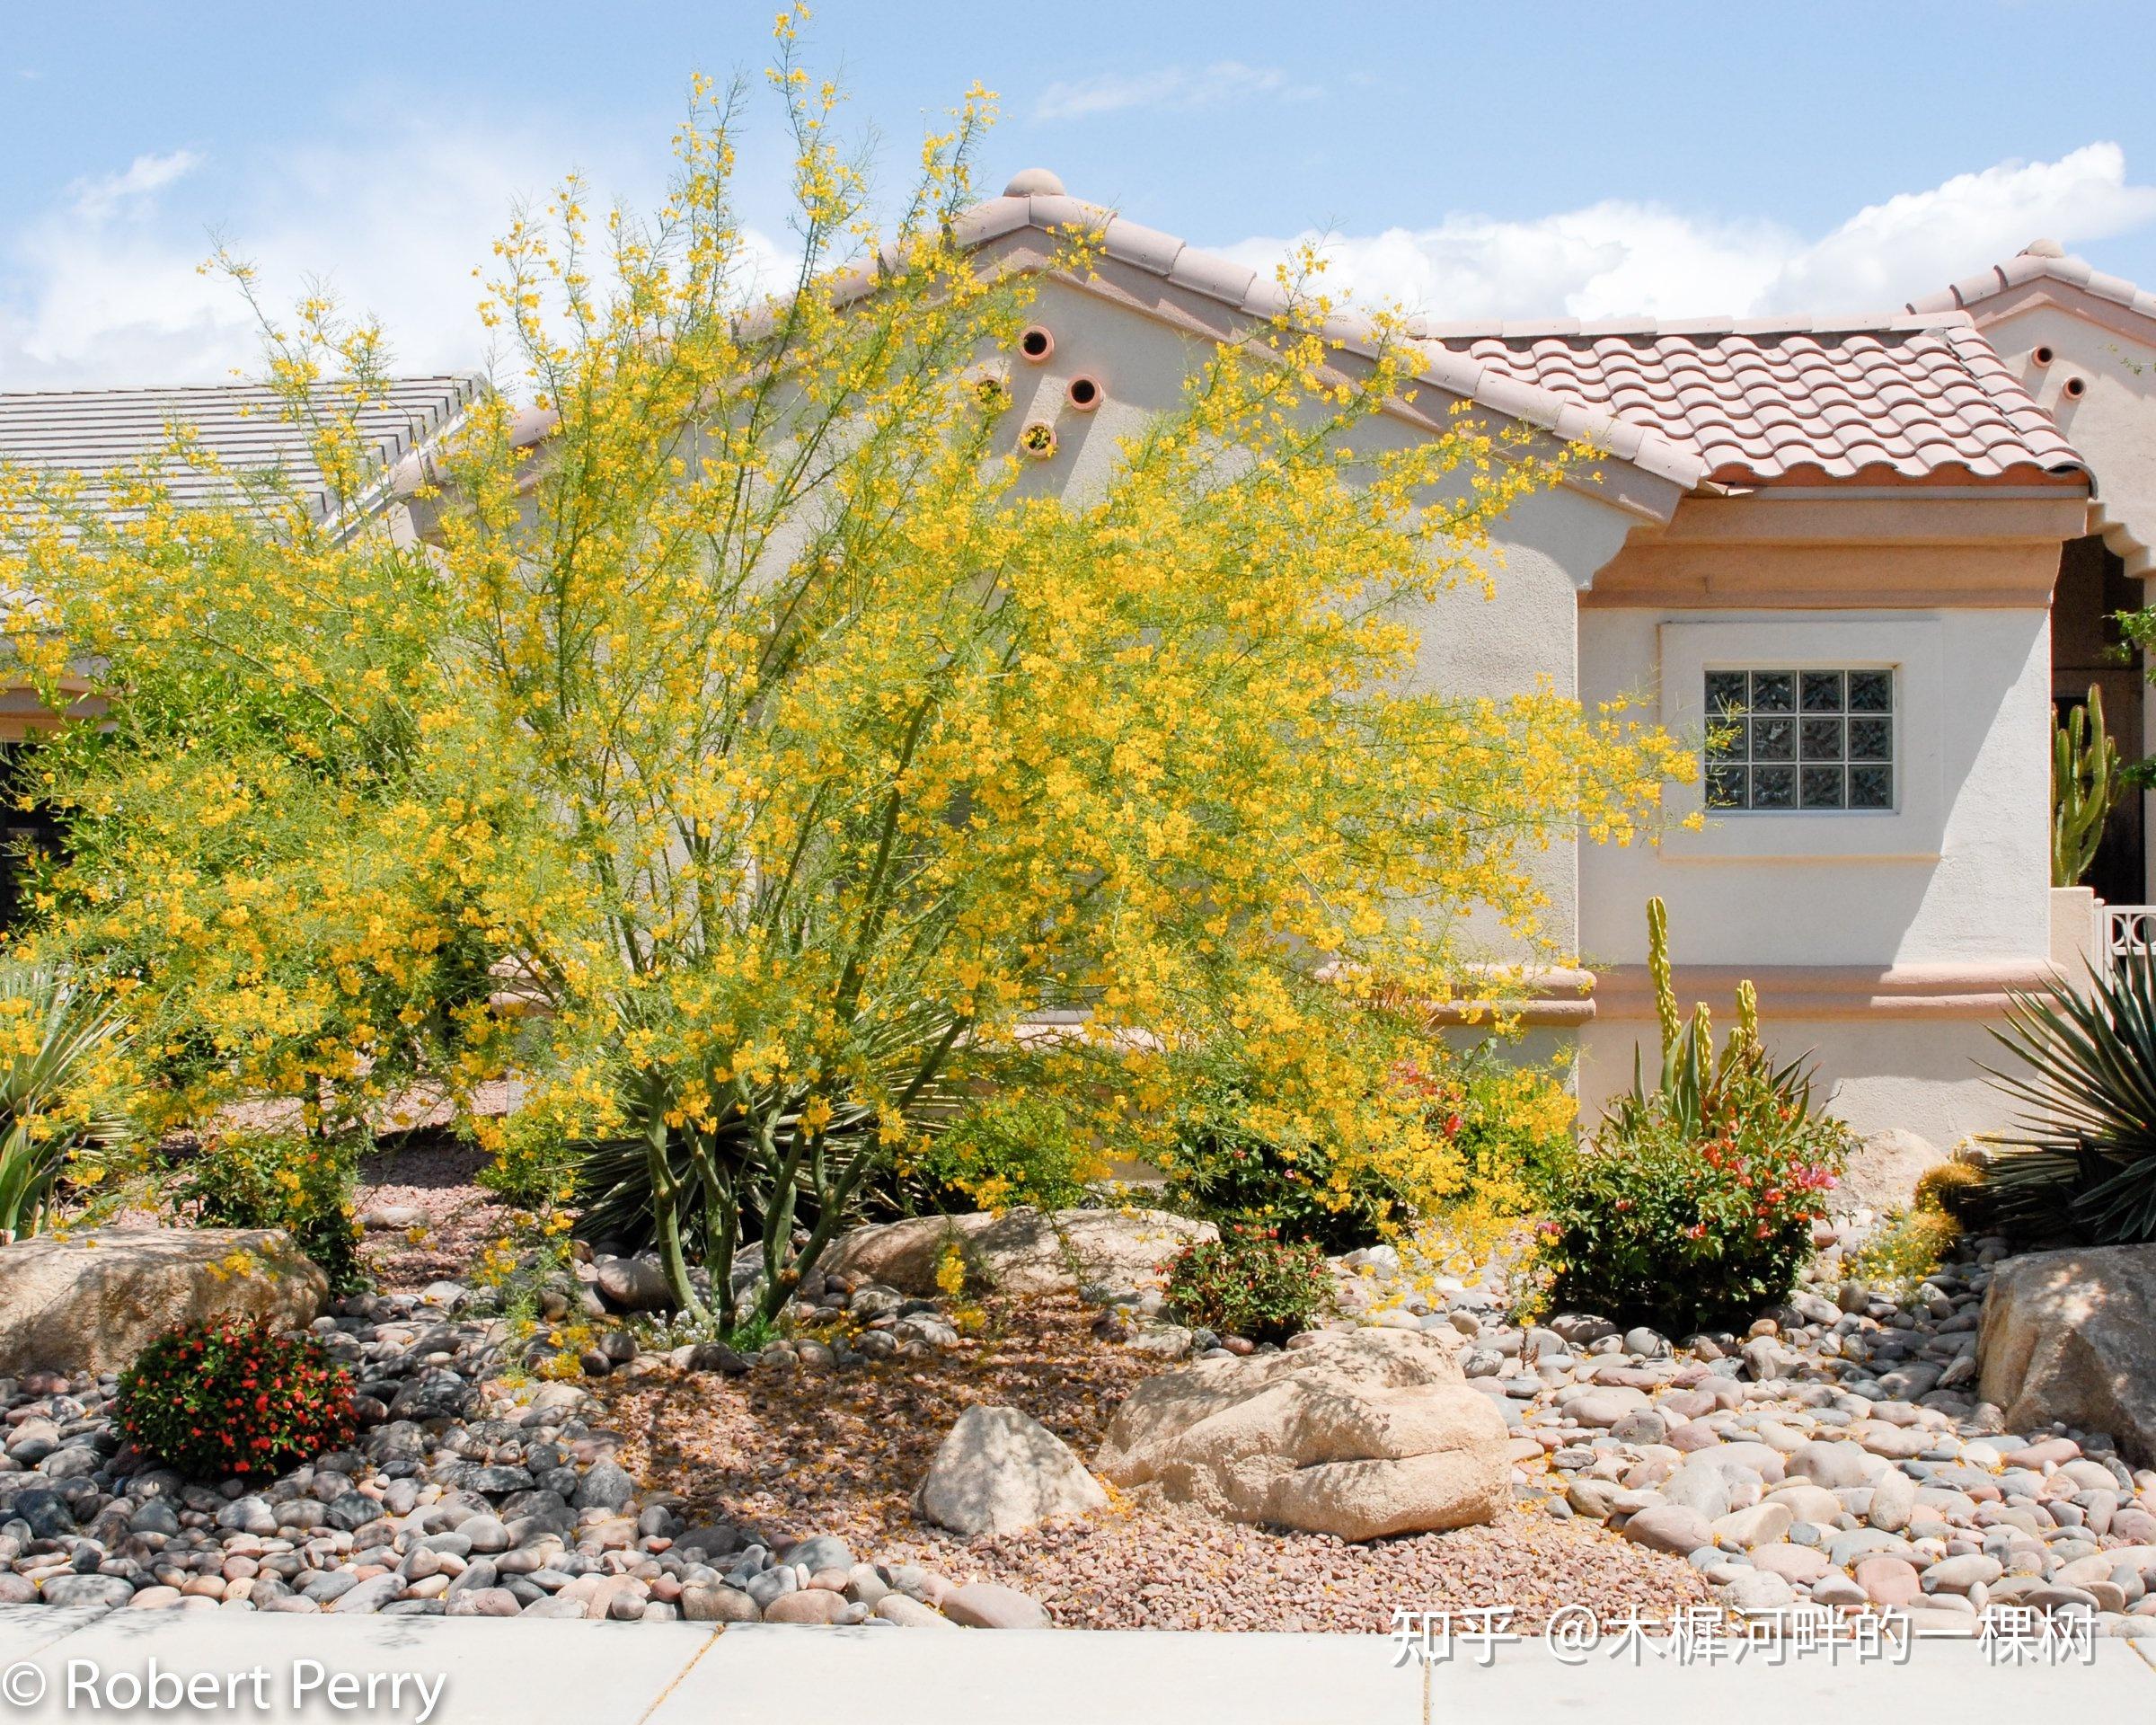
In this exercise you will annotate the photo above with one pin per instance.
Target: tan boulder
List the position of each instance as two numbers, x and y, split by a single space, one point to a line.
999 1470
1884 1169
1366 1435
1022 1250
2071 1336
92 1301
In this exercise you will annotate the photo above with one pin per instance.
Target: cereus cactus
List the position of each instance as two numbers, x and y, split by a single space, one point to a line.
2085 785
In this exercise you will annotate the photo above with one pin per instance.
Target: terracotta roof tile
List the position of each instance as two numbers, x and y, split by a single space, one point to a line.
1761 399
2042 261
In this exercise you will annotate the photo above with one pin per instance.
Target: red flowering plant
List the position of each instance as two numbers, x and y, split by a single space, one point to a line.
231 1398
1250 1282
1693 1203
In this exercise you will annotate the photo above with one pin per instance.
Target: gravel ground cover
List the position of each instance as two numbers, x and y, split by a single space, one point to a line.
426 1218
795 1451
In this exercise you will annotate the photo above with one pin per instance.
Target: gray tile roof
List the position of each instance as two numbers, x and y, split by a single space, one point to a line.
94 431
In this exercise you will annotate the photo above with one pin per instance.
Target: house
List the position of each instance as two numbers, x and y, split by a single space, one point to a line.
1842 535
1874 550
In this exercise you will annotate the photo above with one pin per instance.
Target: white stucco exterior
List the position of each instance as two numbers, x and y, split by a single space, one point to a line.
1881 943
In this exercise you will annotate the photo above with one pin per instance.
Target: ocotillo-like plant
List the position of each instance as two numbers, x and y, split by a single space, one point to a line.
2085 785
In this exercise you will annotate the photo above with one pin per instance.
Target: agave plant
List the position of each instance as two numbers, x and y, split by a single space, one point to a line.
55 1101
2081 1162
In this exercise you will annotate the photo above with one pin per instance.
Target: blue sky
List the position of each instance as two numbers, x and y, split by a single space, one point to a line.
1513 158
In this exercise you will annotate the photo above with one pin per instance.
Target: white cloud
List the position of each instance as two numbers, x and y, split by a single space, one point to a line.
97 198
107 287
1170 88
1619 258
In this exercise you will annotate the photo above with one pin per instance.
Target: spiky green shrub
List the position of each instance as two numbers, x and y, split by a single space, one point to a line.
59 1101
2080 1162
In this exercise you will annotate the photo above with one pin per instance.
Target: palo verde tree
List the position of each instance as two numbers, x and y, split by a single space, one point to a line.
806 753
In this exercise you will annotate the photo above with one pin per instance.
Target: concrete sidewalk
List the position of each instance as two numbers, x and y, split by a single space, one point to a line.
58 1664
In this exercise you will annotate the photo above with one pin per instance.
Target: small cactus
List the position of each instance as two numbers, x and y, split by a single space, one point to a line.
2085 785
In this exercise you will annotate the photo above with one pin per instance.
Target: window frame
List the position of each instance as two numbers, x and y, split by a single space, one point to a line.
1797 714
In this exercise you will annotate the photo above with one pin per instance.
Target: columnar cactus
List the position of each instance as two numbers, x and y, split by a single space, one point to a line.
2084 786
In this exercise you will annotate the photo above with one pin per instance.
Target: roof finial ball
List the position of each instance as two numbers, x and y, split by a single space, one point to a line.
2043 249
1033 183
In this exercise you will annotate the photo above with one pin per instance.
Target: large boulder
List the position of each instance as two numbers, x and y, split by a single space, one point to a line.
1021 1250
92 1301
2071 1336
1884 1169
1368 1434
999 1470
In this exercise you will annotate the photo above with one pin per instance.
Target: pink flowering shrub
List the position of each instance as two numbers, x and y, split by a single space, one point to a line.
1690 1223
1693 1203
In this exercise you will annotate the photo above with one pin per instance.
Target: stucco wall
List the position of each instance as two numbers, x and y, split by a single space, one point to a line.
1972 884
2112 421
1546 548
1923 1076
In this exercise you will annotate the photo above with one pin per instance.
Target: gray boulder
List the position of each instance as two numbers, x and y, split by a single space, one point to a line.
999 1470
2071 1336
1884 1169
94 1301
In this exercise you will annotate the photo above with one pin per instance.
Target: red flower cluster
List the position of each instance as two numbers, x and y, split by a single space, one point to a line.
231 1398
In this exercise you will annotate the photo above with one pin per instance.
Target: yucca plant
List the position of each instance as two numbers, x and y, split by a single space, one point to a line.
2081 1162
57 1099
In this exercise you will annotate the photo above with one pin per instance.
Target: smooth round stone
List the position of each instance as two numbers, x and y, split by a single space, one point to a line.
1763 1524
1644 1426
1703 1490
1605 1407
1811 1503
1790 1562
808 1606
1888 1580
1672 1527
1962 1573
1692 1436
1834 1466
1836 1589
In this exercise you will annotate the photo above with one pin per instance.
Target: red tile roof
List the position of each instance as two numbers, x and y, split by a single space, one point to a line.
1907 397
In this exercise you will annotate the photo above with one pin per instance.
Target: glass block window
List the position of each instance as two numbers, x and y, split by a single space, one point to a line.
1797 740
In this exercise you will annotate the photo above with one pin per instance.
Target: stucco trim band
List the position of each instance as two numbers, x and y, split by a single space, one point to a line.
1972 990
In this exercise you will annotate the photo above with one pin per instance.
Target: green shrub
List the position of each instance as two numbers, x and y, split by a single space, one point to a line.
1231 1164
1693 1203
216 1400
243 1182
1463 1134
1004 1152
1248 1283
